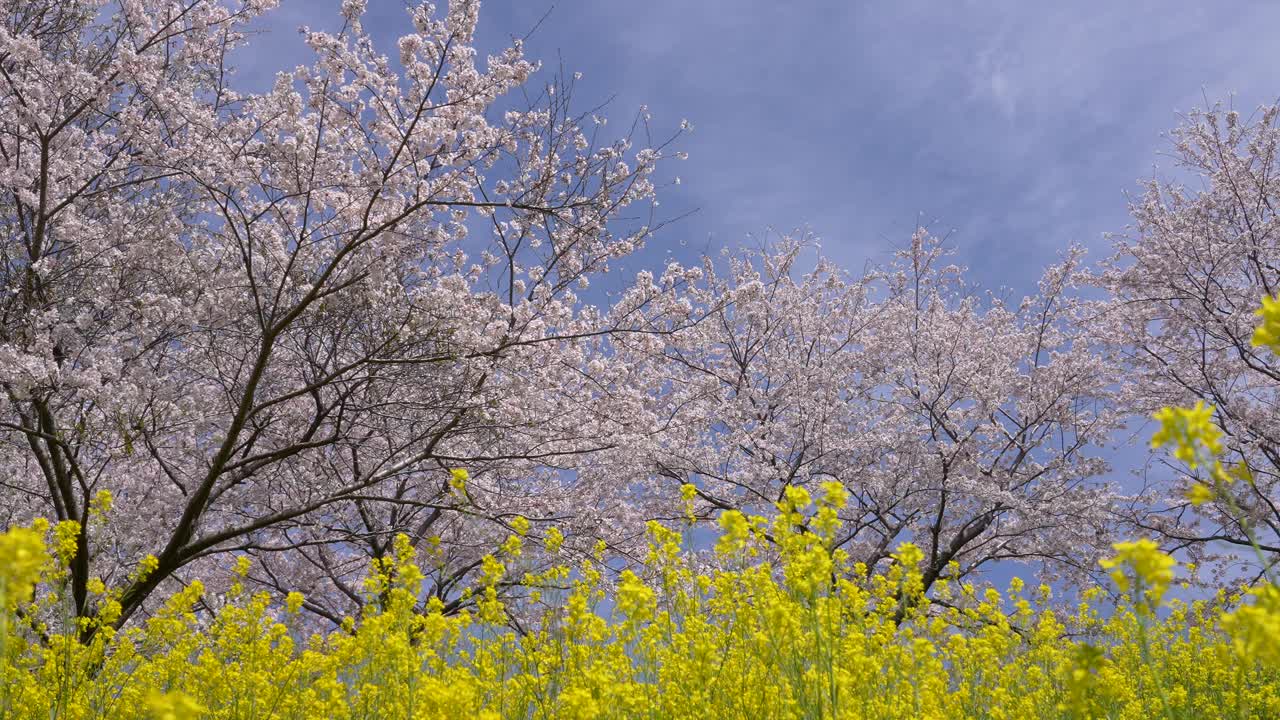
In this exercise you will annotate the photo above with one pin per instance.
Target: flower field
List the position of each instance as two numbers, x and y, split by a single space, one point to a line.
805 636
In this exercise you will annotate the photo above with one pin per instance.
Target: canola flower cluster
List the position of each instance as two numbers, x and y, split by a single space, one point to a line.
786 627
806 634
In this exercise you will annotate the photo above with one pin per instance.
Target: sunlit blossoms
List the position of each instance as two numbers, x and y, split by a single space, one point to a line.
1183 320
968 424
274 323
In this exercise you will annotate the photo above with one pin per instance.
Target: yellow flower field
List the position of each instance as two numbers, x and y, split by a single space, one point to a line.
808 636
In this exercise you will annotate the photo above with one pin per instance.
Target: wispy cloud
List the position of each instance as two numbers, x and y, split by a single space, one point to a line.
1017 123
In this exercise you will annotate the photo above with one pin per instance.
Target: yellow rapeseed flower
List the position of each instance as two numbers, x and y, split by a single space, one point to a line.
173 706
521 525
1199 493
835 494
22 554
1190 431
634 599
1141 561
101 503
908 554
491 570
150 563
513 546
65 536
1267 333
553 539
1255 628
734 532
458 478
795 498
688 493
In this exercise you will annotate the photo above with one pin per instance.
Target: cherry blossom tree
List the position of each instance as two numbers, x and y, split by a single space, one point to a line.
958 421
1185 282
273 323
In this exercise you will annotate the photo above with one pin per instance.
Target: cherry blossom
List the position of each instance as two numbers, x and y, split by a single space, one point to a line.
965 424
273 323
1184 283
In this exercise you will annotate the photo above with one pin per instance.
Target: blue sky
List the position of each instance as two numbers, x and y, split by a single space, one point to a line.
1019 125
